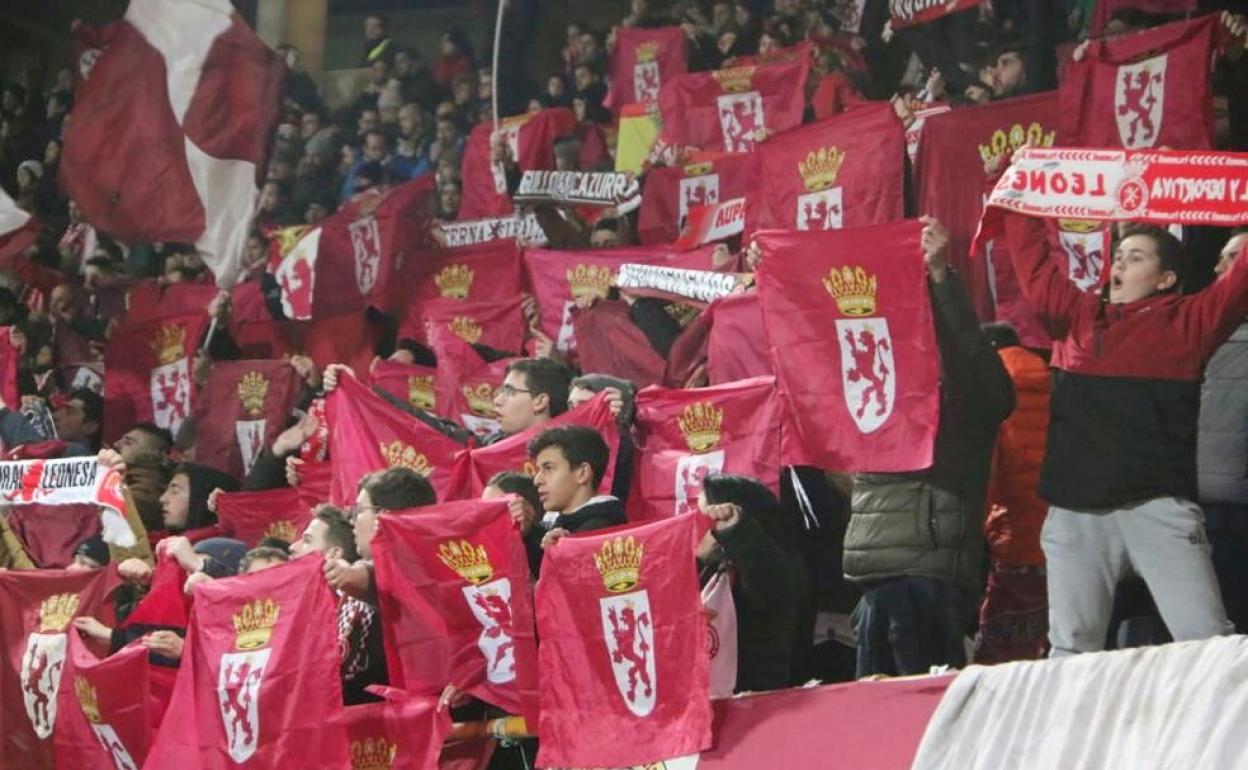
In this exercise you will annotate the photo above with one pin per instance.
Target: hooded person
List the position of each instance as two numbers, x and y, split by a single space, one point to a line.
184 505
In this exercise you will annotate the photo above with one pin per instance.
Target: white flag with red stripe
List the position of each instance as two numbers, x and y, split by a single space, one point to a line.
169 135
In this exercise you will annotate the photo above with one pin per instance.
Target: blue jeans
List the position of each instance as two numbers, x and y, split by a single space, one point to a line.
906 625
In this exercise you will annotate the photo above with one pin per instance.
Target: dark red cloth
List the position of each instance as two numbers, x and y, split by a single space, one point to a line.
1149 89
846 171
371 239
8 368
486 272
683 436
259 677
465 383
165 603
1011 306
512 453
52 532
849 320
151 300
367 434
608 342
453 586
623 648
410 726
253 516
559 277
496 323
950 171
737 346
241 410
1104 10
1014 616
149 373
722 110
345 339
531 138
104 709
834 94
642 61
36 608
411 384
670 191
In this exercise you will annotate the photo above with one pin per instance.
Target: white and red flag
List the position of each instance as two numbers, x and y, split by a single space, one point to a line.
625 669
849 320
168 138
17 228
453 583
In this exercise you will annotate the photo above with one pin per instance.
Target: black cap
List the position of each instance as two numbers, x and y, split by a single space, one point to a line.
94 548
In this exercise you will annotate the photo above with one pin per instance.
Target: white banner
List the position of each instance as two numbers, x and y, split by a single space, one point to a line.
65 482
457 235
702 286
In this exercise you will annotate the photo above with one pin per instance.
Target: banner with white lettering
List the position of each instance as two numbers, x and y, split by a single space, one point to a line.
907 13
1161 186
586 188
68 481
699 287
713 222
473 232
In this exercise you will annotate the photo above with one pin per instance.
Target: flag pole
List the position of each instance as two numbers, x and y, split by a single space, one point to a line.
498 37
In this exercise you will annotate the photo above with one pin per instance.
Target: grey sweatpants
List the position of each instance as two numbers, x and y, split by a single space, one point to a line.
1162 540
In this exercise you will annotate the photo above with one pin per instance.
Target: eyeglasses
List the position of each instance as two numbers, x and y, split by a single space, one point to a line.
354 511
510 390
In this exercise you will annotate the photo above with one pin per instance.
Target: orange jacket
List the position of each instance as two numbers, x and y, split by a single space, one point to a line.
1015 511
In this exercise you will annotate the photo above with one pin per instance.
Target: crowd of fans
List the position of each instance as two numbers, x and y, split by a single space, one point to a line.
915 596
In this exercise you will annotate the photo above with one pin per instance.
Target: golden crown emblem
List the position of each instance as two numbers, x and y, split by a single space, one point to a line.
700 423
853 290
420 393
252 389
480 398
254 623
647 51
619 561
821 167
400 455
467 329
372 754
1003 142
470 561
698 169
734 79
169 343
589 281
1078 225
56 611
87 699
282 530
454 281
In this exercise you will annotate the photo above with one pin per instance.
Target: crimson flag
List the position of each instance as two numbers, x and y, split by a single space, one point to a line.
608 342
150 300
1007 296
642 61
952 183
402 732
50 533
850 324
844 171
531 138
1149 89
465 383
624 663
254 329
104 709
512 453
259 396
149 373
495 323
411 384
165 603
670 192
9 356
685 435
453 587
344 339
559 278
736 348
803 51
252 516
259 677
372 238
315 481
169 133
367 434
36 607
726 109
487 271
1104 10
